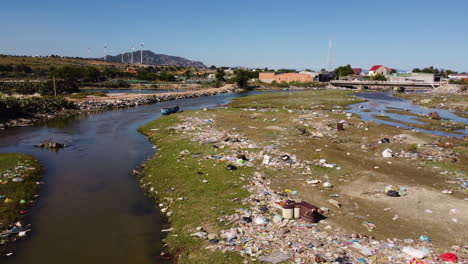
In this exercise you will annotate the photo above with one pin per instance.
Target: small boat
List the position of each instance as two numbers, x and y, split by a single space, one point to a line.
170 110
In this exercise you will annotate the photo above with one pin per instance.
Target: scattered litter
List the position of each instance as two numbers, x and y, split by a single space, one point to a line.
449 257
387 153
275 257
424 238
416 253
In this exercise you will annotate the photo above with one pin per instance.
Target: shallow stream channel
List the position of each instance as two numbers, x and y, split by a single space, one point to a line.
91 209
384 108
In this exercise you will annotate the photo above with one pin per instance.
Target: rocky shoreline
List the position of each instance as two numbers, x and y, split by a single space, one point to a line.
115 102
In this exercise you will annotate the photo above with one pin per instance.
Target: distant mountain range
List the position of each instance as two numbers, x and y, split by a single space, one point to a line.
151 58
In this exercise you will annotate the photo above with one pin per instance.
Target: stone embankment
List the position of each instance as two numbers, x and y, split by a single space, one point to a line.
131 100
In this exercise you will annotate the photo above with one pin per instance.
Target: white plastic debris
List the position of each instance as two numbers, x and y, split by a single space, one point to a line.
260 220
387 153
363 249
416 253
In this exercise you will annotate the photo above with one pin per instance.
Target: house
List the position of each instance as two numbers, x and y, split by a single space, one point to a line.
376 69
326 76
211 76
357 71
269 77
131 70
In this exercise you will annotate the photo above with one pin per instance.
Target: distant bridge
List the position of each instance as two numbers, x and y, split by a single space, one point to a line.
395 85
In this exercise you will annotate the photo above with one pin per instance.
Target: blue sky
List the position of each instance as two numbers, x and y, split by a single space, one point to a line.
253 33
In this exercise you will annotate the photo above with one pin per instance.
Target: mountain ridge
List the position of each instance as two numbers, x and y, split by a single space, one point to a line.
151 58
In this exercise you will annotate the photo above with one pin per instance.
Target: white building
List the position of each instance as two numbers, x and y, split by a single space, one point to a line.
376 69
458 76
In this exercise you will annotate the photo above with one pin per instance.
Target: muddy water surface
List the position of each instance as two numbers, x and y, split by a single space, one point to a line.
90 209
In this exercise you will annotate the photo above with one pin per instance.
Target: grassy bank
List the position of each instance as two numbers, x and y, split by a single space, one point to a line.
174 176
321 99
17 196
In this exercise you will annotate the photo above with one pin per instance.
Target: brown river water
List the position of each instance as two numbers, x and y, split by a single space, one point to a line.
91 209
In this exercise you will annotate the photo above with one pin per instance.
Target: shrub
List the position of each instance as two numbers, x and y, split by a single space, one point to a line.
11 107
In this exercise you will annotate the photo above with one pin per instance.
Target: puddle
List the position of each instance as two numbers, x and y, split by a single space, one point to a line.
379 103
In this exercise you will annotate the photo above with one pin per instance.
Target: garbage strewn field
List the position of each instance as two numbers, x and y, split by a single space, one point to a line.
19 175
385 195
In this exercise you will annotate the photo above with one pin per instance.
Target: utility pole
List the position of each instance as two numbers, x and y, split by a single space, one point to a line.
55 88
329 61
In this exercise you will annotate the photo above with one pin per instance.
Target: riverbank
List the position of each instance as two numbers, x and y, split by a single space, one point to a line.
449 97
19 184
287 146
99 103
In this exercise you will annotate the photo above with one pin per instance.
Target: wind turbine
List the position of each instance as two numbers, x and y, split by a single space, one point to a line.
141 52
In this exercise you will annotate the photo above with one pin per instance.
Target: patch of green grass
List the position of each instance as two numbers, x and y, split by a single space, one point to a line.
82 95
412 147
451 167
17 191
321 99
205 201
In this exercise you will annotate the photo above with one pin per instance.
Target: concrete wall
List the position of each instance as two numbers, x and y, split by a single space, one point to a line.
266 77
413 77
285 77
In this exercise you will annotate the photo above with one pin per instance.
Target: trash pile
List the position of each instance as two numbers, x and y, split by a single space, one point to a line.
261 233
13 233
396 191
277 226
15 174
202 131
13 178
